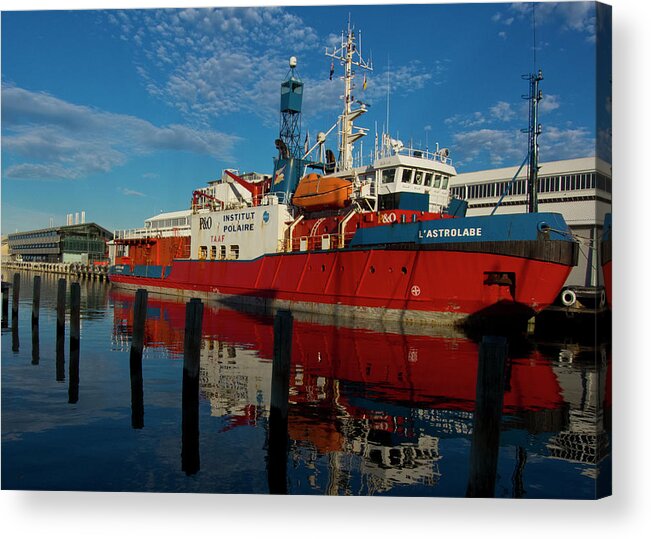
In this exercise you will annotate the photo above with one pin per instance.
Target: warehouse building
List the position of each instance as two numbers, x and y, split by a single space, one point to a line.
85 243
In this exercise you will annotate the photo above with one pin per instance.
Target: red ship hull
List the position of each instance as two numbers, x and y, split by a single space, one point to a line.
438 286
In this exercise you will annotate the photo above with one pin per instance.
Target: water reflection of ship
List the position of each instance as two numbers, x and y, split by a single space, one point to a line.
375 402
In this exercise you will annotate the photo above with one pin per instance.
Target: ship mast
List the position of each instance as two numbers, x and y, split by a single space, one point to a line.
349 54
535 129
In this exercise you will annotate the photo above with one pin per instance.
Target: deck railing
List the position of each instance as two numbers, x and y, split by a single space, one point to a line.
138 233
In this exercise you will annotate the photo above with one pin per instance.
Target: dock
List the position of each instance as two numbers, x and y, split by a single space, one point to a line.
73 269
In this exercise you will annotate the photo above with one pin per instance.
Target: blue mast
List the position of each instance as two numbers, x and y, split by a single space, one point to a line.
289 165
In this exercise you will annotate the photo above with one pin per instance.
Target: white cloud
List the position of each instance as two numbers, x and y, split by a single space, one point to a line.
213 62
504 146
568 16
549 102
499 146
466 120
500 18
131 193
558 143
57 139
502 111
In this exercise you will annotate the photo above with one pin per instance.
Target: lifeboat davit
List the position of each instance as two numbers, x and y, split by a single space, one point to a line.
316 192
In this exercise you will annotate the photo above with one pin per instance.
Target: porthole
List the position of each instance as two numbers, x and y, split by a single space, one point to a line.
372 269
404 270
322 267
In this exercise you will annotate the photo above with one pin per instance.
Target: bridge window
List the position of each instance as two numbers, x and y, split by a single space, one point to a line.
235 252
418 177
389 175
222 252
213 252
203 252
406 175
437 181
428 179
444 183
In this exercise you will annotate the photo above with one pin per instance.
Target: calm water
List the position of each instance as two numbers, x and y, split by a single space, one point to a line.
384 412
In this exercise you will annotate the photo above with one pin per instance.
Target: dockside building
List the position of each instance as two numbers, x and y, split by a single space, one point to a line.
85 243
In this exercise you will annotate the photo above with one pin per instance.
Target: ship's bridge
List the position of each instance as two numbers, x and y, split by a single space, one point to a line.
409 171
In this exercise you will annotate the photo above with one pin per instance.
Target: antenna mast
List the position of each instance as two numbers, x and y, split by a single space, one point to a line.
349 55
535 129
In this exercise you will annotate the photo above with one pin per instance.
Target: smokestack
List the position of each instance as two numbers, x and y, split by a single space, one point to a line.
76 217
83 216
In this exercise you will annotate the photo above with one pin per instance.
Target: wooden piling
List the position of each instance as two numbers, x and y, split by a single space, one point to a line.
190 457
61 331
36 305
15 299
15 339
5 305
75 307
36 300
487 418
61 309
277 434
60 360
135 359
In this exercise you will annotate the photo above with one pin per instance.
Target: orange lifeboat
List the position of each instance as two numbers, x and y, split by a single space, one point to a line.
316 192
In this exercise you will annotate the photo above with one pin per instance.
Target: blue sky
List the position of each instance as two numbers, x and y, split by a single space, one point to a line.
123 113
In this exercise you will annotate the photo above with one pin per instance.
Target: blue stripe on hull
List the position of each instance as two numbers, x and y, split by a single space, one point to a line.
516 227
